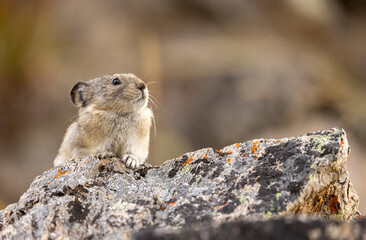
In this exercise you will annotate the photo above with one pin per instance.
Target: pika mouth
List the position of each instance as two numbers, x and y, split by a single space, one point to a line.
143 96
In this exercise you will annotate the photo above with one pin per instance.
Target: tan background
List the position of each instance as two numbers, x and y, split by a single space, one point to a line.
225 72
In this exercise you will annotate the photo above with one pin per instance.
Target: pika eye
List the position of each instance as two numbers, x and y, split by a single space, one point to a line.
116 81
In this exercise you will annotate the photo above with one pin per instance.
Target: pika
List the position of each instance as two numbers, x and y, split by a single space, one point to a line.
114 120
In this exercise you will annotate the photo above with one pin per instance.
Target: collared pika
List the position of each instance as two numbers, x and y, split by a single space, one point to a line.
113 120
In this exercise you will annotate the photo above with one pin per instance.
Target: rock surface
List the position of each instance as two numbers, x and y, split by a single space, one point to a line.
263 178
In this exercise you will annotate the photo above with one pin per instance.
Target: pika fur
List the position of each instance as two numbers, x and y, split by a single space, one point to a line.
114 120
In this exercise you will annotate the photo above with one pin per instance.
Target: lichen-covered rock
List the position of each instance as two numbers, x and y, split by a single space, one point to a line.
92 198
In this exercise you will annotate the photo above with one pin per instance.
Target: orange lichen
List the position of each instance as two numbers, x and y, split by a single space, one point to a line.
60 173
190 159
255 158
342 143
219 152
237 145
171 202
334 204
219 207
229 152
278 140
206 156
255 146
228 160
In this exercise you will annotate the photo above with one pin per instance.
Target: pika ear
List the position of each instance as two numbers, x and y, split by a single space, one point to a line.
79 94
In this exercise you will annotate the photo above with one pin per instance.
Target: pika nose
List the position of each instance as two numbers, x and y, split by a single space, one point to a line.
141 86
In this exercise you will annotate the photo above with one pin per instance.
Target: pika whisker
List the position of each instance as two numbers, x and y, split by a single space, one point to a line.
152 101
151 83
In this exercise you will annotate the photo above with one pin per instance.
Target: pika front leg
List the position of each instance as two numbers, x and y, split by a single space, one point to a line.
106 155
131 161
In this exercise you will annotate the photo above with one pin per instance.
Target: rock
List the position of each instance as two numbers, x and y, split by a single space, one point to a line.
290 227
258 179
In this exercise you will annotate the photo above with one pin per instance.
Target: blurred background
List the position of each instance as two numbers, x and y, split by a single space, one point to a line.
222 72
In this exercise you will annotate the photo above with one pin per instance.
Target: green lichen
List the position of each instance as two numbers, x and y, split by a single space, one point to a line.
338 217
241 198
313 166
267 215
311 177
119 205
318 142
278 195
186 168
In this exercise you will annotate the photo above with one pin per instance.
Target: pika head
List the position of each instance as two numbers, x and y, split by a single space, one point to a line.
120 93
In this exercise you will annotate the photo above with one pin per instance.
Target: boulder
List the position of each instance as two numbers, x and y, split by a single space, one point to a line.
257 180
